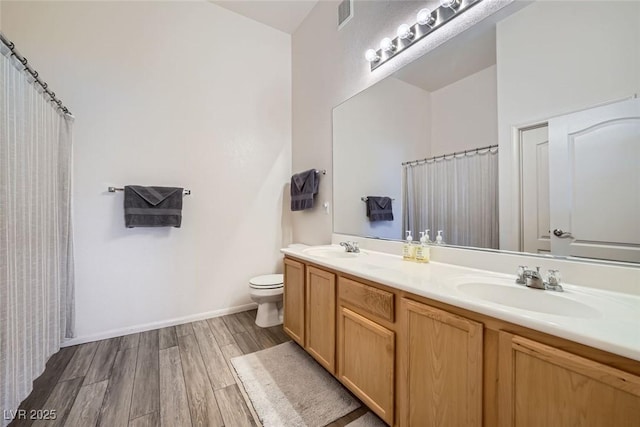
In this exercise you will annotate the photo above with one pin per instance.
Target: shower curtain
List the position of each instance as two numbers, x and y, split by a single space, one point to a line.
36 245
457 194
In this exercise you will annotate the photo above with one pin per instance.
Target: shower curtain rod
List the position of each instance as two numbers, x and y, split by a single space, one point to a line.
451 155
34 73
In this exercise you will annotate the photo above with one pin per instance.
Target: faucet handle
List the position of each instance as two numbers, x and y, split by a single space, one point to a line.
520 274
553 276
553 280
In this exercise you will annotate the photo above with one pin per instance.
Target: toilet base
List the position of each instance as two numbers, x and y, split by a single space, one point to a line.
269 314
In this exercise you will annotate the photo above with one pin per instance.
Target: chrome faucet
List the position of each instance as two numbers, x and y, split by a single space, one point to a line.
533 279
350 247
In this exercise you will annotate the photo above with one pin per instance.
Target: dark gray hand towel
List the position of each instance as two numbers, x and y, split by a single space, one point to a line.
304 186
152 206
379 208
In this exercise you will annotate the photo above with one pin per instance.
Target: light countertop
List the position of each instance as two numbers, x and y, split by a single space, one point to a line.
606 320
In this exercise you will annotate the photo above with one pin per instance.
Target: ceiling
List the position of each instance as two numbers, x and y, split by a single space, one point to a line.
456 59
283 15
465 54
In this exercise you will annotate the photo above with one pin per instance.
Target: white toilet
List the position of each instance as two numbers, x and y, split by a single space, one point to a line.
267 292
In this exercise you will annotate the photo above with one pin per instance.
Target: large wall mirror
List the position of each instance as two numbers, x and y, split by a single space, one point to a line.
520 134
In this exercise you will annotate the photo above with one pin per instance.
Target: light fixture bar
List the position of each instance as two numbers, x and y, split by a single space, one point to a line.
441 15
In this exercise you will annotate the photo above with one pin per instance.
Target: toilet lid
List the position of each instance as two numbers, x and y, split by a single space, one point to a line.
268 281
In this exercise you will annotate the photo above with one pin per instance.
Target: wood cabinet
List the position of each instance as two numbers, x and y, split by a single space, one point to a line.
293 300
376 303
419 362
366 355
320 324
442 359
540 385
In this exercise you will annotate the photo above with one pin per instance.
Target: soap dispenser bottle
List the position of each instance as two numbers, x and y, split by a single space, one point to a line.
408 249
439 240
423 251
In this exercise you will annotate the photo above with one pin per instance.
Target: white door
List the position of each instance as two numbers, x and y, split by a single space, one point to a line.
594 165
535 190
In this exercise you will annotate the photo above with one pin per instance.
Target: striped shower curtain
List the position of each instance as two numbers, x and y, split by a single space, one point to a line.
36 255
457 194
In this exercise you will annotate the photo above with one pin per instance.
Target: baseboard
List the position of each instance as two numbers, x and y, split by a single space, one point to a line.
157 325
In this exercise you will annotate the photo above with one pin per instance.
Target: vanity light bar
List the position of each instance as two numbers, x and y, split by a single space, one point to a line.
427 22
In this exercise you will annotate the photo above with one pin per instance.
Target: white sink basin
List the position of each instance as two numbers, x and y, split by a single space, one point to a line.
335 252
517 296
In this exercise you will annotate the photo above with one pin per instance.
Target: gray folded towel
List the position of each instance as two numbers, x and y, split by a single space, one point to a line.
379 208
304 186
152 206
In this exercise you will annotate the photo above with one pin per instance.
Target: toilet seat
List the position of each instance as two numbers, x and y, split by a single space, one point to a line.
267 291
267 281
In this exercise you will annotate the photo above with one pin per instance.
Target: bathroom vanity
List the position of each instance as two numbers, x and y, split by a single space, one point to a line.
442 345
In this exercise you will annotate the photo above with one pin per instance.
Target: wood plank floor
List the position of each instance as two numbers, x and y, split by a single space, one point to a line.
175 376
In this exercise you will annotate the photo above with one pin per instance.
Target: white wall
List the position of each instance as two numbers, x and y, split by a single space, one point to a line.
329 67
374 132
554 58
167 93
464 114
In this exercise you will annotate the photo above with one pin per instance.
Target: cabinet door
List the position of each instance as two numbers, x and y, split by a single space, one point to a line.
541 385
442 358
366 361
294 300
321 317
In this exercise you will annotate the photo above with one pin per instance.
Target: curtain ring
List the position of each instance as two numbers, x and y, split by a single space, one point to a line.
24 61
44 85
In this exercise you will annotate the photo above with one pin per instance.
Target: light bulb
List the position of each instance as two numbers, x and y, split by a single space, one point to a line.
371 55
404 32
387 45
453 4
424 17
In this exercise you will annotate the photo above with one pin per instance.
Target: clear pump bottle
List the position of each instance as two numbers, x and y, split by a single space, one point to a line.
408 248
423 251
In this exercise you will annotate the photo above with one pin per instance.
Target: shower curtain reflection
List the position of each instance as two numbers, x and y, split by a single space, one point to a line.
457 194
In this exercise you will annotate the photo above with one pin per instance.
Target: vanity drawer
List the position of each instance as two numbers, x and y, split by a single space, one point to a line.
371 300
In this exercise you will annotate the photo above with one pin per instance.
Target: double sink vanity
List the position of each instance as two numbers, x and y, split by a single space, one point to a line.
443 345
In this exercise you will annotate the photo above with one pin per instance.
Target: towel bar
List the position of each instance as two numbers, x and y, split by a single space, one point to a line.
114 189
323 171
364 199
